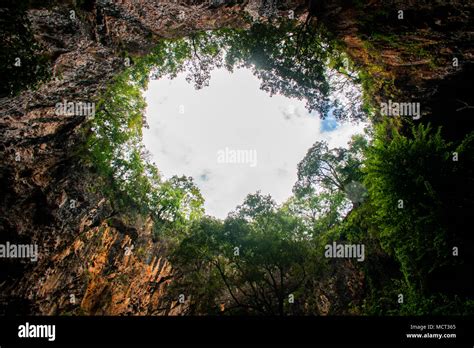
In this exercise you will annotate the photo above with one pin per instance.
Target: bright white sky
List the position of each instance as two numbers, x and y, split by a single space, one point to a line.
188 127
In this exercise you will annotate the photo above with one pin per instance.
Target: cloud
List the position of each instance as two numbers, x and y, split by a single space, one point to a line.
231 113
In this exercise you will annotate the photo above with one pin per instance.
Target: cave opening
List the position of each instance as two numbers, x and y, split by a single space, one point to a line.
278 89
233 138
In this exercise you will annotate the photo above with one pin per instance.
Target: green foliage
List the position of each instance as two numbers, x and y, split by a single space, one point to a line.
296 61
114 146
320 212
411 172
331 169
254 260
384 301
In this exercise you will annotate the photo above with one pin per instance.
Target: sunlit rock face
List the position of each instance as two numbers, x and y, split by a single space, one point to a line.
46 196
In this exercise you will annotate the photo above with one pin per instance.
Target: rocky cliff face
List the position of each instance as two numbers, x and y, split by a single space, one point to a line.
86 263
421 51
84 266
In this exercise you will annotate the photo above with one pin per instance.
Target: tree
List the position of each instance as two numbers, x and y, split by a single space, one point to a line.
115 147
195 274
177 200
320 212
413 183
294 60
333 170
260 253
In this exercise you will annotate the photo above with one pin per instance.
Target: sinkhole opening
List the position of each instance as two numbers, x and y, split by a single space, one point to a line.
205 120
233 138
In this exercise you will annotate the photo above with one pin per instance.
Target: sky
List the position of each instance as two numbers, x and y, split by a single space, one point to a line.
232 137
